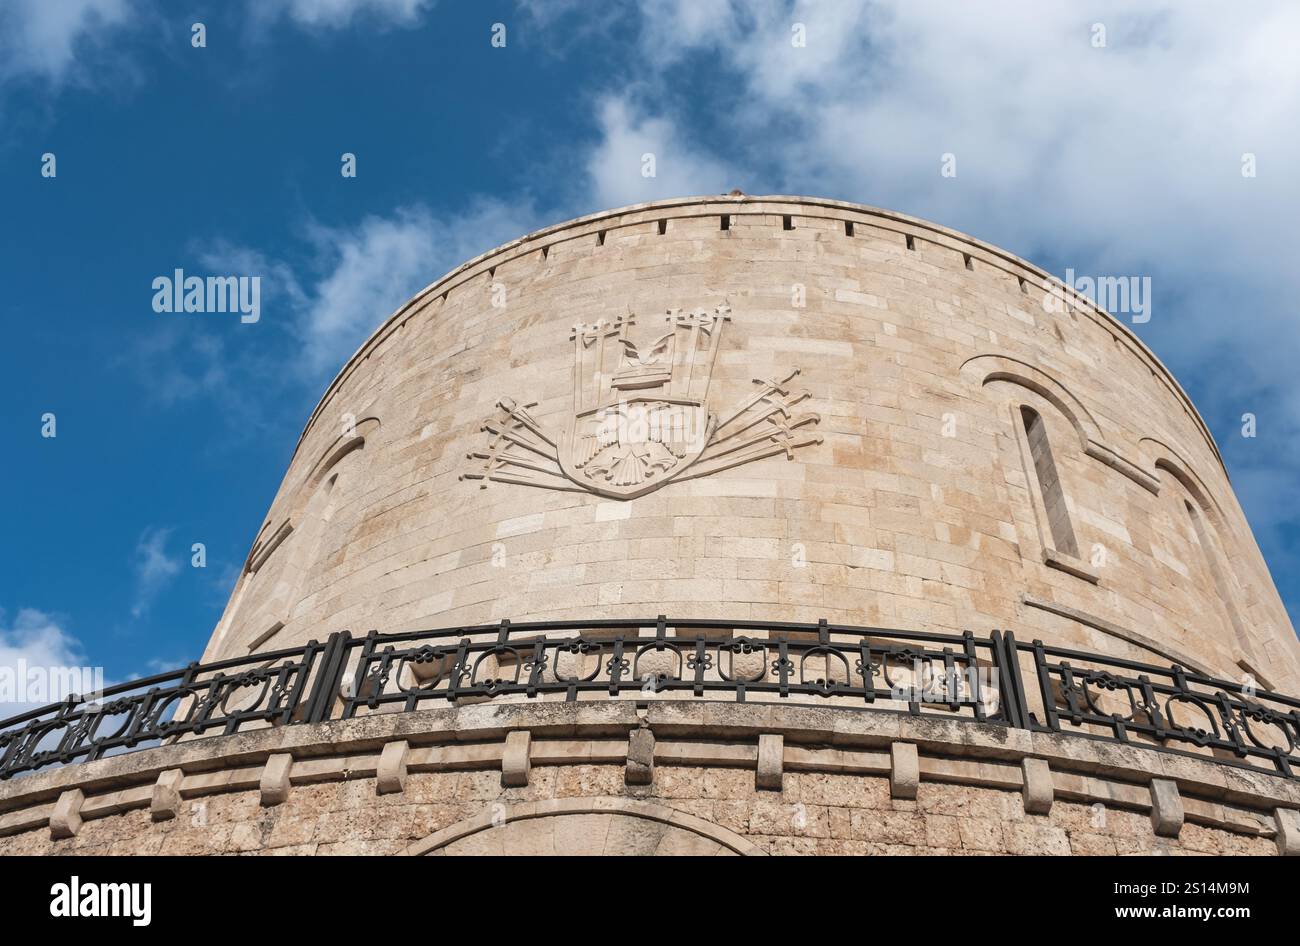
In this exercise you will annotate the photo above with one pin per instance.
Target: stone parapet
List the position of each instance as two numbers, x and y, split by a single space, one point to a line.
1054 794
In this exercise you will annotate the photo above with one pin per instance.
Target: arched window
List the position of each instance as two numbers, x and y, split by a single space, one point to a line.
1246 656
1208 548
274 583
1207 551
304 548
1049 482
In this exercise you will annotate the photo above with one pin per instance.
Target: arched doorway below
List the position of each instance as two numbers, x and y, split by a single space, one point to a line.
604 826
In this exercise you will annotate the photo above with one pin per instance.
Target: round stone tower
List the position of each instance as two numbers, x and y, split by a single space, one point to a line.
912 429
730 525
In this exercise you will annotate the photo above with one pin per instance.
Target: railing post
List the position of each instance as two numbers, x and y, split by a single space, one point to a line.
152 714
1045 687
868 676
700 660
329 676
615 666
300 674
972 674
950 680
536 673
1010 685
783 664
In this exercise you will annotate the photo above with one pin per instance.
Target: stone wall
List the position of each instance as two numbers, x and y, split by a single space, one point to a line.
910 500
816 813
669 778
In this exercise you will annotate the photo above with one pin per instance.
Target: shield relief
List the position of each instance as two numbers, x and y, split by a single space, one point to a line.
640 415
632 447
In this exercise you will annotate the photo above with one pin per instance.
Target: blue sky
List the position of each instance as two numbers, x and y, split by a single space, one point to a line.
174 429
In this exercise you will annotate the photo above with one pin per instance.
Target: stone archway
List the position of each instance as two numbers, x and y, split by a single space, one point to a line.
584 826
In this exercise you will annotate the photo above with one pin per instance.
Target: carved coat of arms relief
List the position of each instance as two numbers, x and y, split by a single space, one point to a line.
641 415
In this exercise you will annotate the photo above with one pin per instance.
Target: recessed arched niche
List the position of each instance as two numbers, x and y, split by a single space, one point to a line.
599 826
273 581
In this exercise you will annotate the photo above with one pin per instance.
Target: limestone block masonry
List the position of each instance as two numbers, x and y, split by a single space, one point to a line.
767 409
952 453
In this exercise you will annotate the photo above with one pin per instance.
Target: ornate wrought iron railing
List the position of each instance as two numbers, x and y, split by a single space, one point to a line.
992 679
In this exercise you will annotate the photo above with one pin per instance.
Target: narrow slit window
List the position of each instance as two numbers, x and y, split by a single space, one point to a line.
600 237
663 227
848 228
911 243
1221 587
787 222
726 221
970 264
1049 482
1207 551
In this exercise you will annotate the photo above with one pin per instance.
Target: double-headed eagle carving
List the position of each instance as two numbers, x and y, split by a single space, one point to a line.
641 416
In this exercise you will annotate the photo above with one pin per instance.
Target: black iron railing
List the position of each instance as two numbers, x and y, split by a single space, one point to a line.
991 679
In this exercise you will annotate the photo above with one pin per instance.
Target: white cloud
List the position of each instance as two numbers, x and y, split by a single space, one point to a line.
336 14
1118 137
1058 144
231 368
76 40
615 166
176 365
43 38
371 269
354 277
546 13
40 663
570 26
153 568
279 282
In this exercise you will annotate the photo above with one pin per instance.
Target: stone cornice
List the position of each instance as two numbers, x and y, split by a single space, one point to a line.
704 733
